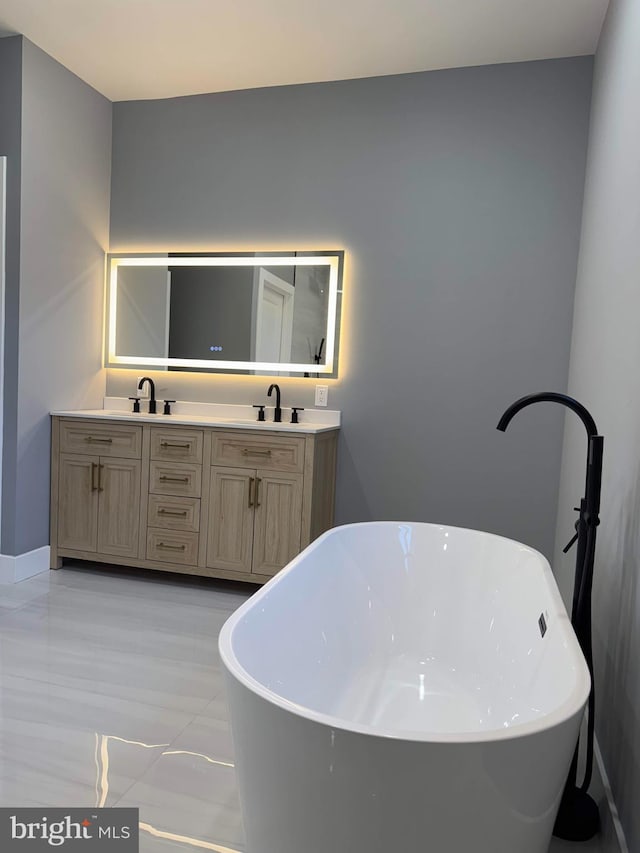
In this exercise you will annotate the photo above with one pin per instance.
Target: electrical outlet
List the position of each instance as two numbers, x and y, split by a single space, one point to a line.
143 392
322 394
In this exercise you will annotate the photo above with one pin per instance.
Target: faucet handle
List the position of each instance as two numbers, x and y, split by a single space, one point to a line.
136 404
260 411
571 542
294 413
167 407
574 539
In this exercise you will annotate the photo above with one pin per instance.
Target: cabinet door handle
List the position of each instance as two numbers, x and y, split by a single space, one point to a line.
174 479
247 451
180 512
251 480
94 469
168 547
258 481
100 486
93 440
184 446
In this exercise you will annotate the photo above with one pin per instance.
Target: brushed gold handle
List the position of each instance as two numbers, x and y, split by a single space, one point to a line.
168 547
184 446
180 512
247 451
93 440
94 468
174 479
251 491
258 481
100 486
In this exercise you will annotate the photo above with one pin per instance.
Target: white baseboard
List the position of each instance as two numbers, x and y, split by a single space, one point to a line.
612 832
16 569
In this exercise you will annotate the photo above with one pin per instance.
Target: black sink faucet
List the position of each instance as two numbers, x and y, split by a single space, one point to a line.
152 389
277 414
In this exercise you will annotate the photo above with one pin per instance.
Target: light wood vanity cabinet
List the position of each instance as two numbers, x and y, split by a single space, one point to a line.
175 488
227 503
255 513
99 494
255 520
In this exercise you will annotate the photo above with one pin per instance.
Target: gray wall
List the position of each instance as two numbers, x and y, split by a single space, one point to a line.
605 356
65 182
457 196
10 138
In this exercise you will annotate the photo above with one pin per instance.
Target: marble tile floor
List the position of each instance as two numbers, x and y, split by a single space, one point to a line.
111 694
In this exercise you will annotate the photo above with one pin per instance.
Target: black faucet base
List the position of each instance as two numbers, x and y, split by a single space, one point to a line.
578 817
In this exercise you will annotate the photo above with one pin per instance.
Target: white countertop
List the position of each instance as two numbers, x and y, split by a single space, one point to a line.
211 414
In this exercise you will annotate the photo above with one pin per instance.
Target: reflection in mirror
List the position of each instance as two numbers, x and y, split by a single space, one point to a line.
272 314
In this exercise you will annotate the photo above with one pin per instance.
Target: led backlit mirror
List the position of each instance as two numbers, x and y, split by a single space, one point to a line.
276 314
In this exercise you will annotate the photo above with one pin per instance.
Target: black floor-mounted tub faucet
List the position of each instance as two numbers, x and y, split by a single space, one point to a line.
578 818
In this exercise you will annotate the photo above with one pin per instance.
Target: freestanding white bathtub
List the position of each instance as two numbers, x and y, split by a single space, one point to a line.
391 691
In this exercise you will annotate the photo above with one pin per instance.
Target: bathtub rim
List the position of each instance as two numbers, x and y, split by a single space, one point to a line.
574 704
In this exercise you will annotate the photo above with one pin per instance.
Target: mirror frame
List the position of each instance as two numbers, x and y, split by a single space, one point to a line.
334 260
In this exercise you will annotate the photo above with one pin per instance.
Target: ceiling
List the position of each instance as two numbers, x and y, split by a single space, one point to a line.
133 49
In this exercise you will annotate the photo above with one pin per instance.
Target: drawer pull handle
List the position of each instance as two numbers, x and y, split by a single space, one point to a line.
183 446
164 479
168 547
258 481
93 440
251 482
180 512
247 451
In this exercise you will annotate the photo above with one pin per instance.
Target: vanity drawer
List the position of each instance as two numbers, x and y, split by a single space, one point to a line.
101 438
174 513
277 453
172 546
175 478
177 444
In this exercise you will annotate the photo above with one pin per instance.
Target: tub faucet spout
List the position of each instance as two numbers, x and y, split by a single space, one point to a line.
590 504
549 397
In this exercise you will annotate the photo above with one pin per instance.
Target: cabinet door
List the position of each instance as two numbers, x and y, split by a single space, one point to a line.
78 502
278 521
230 540
119 506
